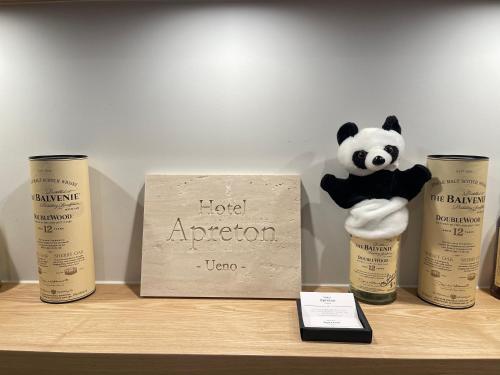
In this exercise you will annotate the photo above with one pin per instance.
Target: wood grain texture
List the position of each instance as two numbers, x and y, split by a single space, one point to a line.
116 331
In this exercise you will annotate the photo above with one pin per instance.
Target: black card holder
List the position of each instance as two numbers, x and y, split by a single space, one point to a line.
363 335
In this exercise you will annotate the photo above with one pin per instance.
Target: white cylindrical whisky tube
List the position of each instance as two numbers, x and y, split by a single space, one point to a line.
63 227
452 226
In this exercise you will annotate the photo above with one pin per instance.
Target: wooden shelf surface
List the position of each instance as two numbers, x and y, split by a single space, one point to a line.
116 330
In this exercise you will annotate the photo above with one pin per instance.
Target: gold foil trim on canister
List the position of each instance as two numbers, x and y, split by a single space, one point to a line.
63 227
452 226
374 264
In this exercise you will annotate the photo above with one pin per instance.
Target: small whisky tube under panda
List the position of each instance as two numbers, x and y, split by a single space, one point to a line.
63 227
373 269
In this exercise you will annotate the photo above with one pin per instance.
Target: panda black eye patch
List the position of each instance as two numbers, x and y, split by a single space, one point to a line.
393 151
358 158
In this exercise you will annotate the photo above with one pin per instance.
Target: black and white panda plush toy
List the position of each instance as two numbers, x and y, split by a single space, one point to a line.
376 191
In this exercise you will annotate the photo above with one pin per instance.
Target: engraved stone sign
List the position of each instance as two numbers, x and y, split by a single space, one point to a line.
221 236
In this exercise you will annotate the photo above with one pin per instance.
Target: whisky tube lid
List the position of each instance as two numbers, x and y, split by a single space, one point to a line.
58 157
458 157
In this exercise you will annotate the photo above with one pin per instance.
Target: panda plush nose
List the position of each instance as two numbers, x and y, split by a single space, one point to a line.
378 160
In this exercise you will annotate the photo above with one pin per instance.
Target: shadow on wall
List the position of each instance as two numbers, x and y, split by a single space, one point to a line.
8 271
117 219
336 255
487 268
17 238
324 242
409 253
133 269
309 256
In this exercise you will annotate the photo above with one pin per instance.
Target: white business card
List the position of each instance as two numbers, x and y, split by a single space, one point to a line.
329 310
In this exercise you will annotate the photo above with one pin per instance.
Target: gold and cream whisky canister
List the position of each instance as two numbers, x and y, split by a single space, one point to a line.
63 227
452 226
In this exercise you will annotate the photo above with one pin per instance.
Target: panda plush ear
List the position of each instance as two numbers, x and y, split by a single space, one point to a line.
347 130
392 123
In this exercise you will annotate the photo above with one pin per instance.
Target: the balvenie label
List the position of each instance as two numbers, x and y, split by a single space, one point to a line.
374 264
55 197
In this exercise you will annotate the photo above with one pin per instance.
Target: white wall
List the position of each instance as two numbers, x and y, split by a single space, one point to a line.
238 87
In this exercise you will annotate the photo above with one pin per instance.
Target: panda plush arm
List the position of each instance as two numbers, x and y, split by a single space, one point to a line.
410 182
341 191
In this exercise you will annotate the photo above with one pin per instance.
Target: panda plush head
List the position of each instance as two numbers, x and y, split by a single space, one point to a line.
363 152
